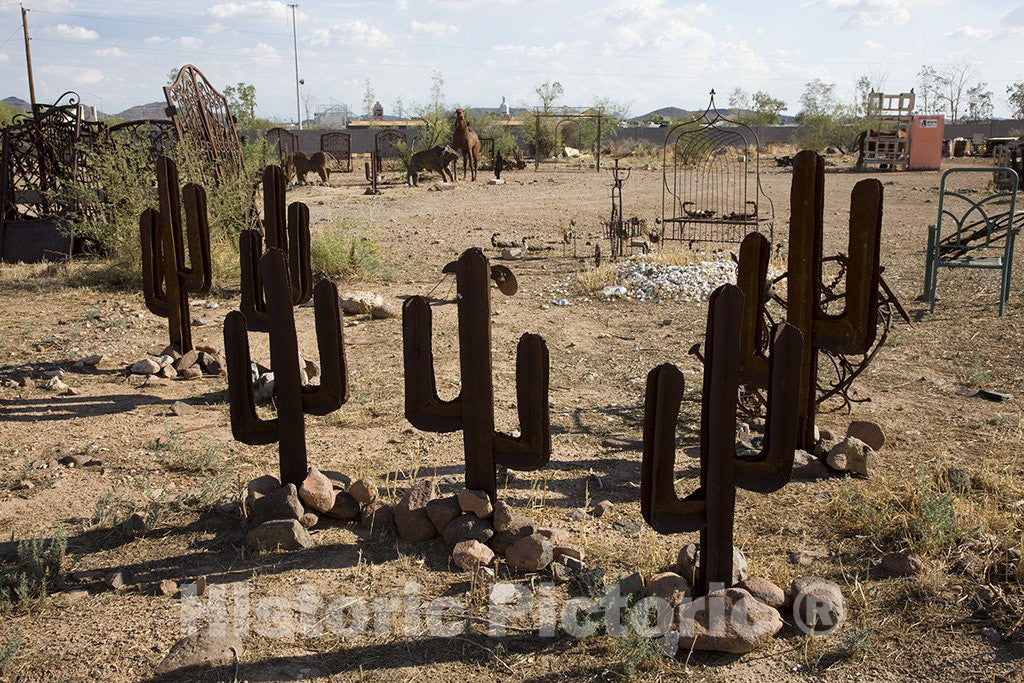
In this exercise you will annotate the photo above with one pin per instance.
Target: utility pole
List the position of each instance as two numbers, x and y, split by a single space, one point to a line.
28 59
295 45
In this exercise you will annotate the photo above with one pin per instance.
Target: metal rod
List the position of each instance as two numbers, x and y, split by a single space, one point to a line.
28 58
295 46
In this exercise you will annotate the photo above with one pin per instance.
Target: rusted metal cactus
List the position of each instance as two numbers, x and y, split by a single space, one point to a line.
286 229
710 509
472 411
290 396
167 279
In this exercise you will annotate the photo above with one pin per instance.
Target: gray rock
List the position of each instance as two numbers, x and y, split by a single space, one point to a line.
411 512
530 554
383 311
501 541
201 650
146 366
467 527
181 409
817 603
443 511
470 554
632 584
902 563
317 492
364 490
187 360
850 455
689 559
476 502
670 587
281 503
868 432
278 534
602 508
728 620
377 519
309 520
764 590
345 506
807 467
190 373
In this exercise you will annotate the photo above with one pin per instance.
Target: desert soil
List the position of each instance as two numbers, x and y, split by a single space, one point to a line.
919 385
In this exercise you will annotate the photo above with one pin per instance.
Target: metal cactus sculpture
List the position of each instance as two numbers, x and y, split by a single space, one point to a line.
849 333
472 411
167 277
710 509
286 229
293 400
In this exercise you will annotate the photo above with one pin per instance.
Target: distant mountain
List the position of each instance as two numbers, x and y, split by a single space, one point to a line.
153 110
17 103
675 113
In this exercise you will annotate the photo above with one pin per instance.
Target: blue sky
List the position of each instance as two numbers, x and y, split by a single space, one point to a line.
647 53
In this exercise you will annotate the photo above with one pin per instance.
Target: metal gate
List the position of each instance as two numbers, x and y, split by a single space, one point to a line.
203 120
339 146
386 153
285 142
711 181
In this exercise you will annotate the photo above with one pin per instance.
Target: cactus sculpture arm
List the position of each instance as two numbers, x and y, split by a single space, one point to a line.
532 449
292 400
286 227
167 277
472 411
710 509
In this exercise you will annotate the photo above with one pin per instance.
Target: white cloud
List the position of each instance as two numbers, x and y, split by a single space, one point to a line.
72 32
437 29
4 57
402 4
260 9
971 33
153 40
73 74
349 32
872 13
109 52
188 42
871 45
262 54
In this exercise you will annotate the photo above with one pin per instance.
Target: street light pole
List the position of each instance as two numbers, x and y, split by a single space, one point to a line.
28 58
295 45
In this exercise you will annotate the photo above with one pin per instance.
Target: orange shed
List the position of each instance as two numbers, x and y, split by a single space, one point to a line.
926 142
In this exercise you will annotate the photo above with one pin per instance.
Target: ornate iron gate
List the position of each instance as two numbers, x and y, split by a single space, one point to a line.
711 181
339 146
203 120
285 142
386 153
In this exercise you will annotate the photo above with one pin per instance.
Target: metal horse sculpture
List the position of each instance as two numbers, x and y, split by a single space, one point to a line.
472 411
710 509
466 141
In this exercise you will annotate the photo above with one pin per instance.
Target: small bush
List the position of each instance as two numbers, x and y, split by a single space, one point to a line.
8 652
38 569
340 256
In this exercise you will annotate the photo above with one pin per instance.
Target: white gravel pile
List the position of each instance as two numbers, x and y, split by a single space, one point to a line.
646 281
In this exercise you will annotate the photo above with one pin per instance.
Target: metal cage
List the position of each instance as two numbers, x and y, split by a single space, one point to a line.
711 181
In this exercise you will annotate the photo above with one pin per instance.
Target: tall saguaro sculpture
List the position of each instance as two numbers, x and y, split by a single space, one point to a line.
286 227
850 332
710 509
472 411
167 279
293 400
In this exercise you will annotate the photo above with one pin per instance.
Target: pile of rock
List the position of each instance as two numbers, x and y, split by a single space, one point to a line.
279 516
813 601
263 378
646 280
478 530
172 364
853 453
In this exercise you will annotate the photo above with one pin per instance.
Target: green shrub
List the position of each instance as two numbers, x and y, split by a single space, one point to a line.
8 652
341 256
38 568
122 184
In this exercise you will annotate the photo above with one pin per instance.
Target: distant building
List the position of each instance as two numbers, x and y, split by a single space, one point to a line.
378 110
503 108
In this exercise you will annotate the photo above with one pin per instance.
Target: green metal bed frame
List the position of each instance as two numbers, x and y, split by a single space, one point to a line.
982 236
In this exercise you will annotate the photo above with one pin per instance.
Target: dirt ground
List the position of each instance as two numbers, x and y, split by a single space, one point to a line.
899 628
